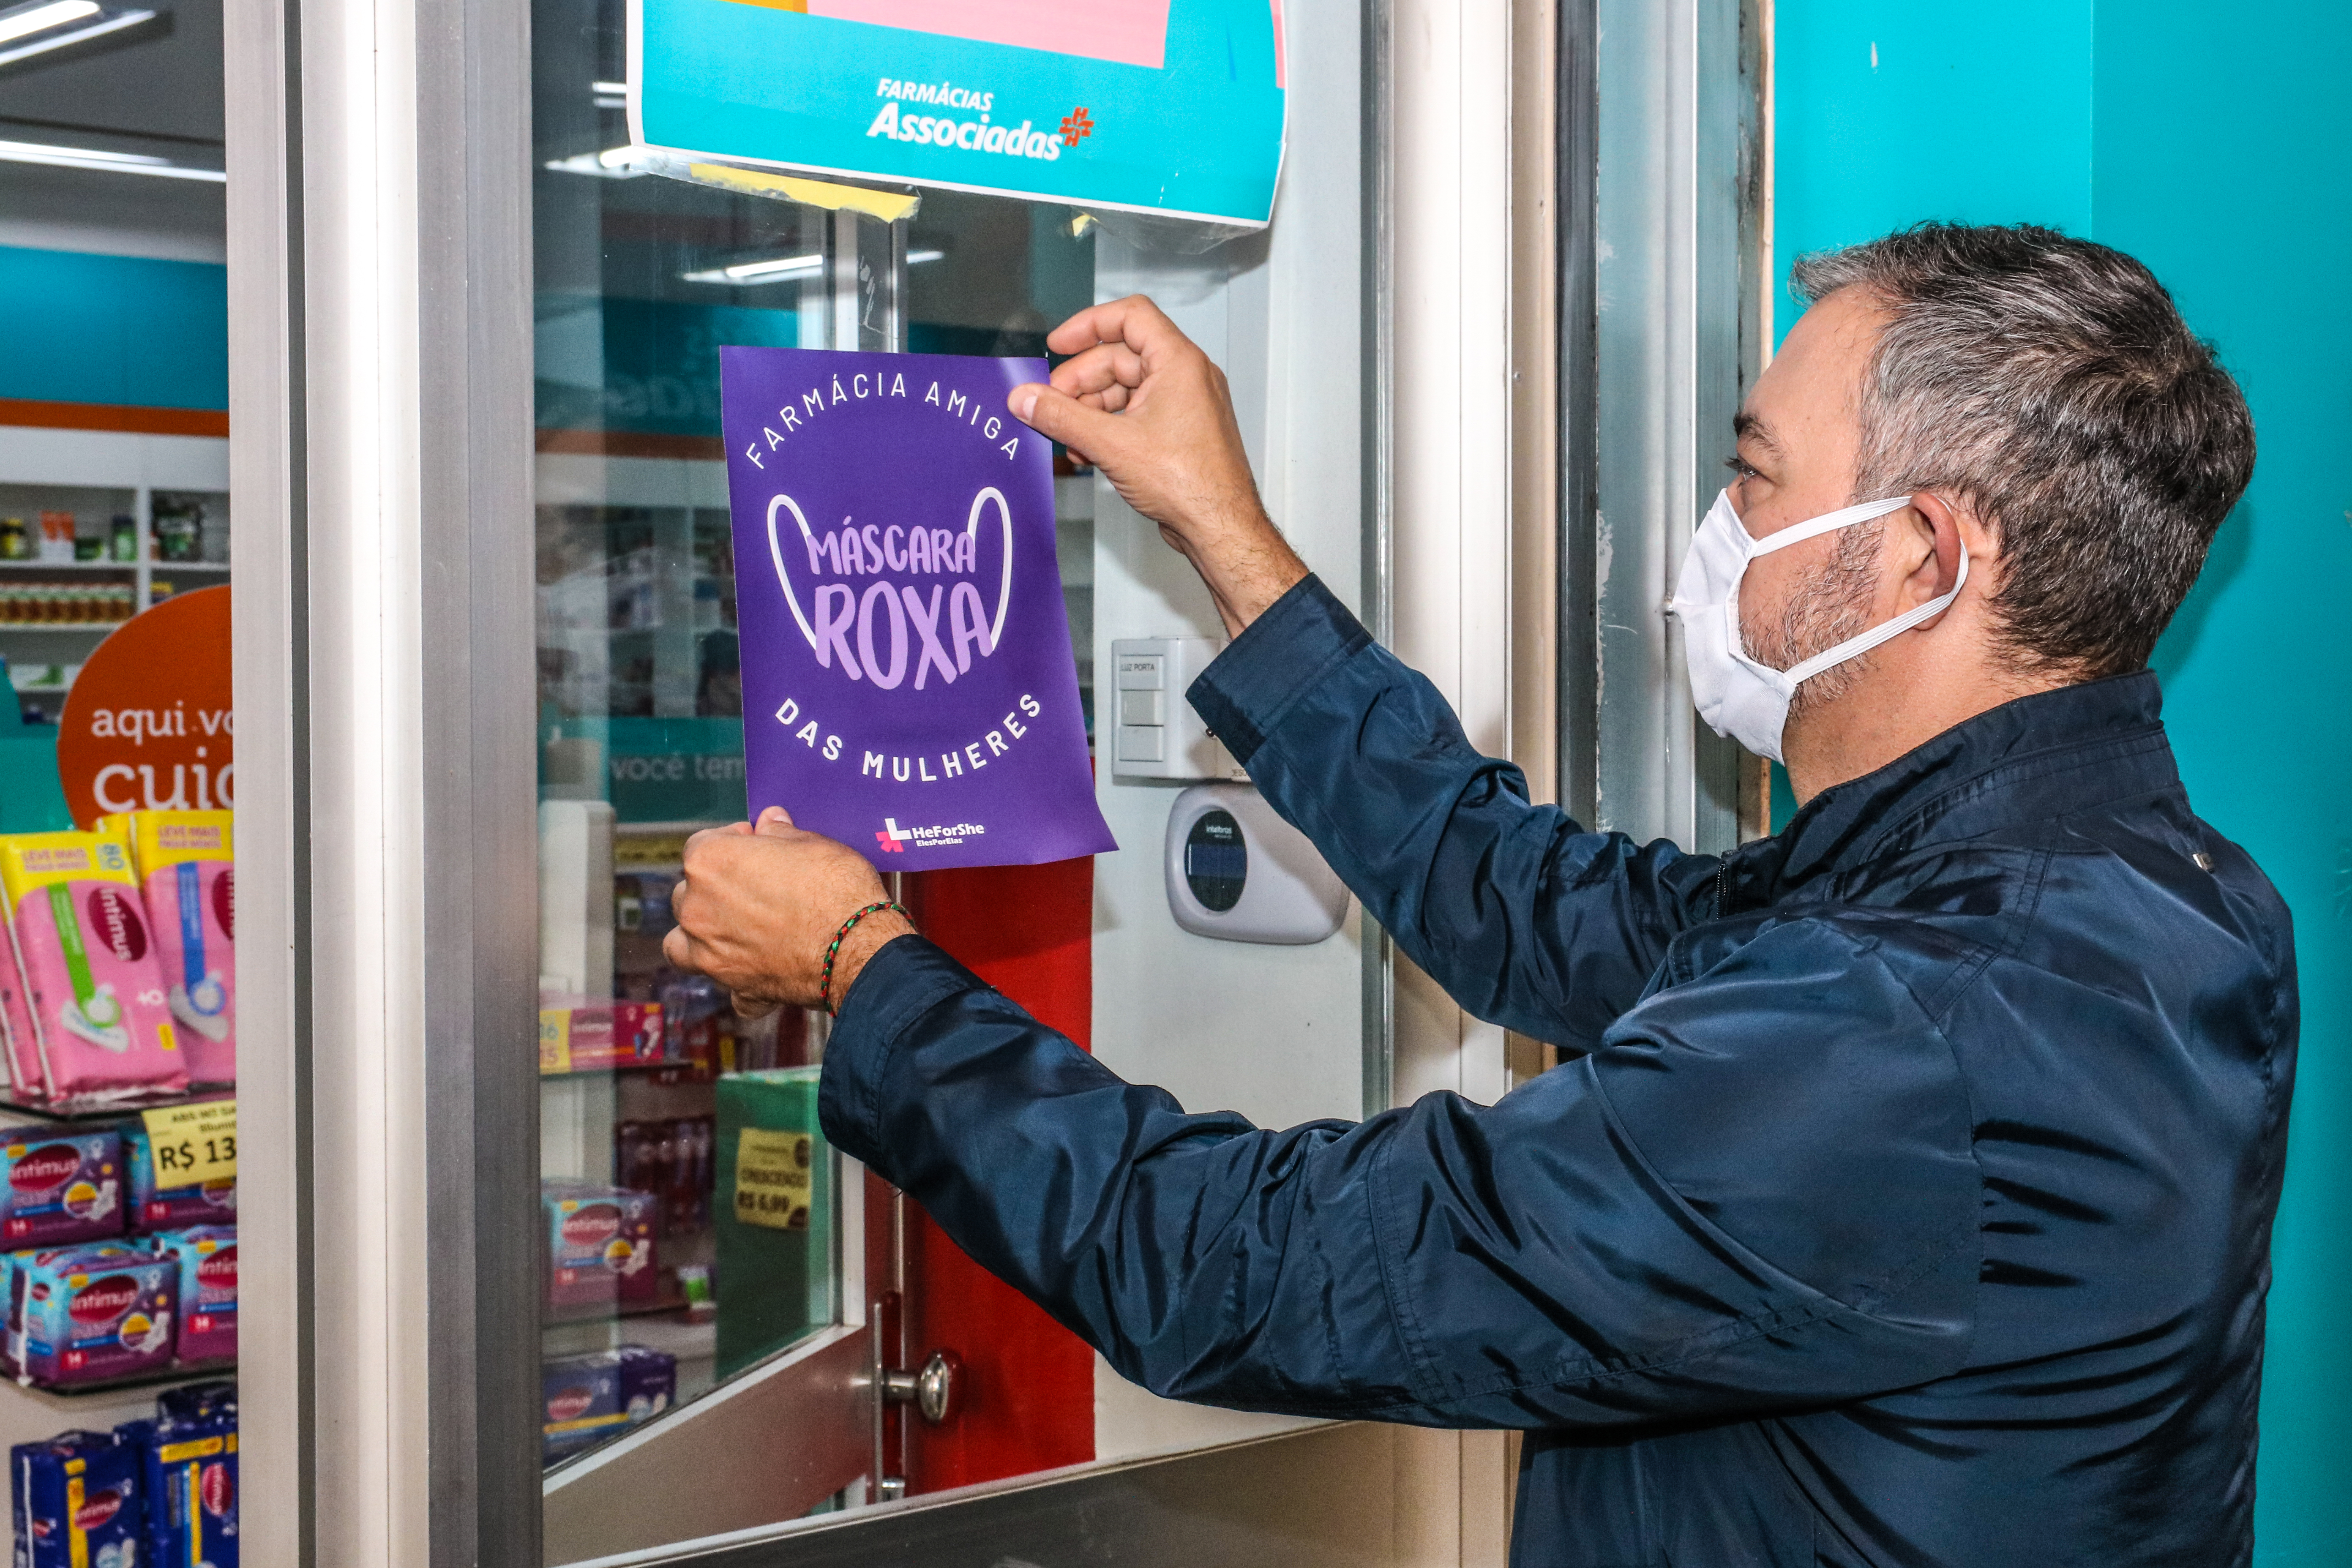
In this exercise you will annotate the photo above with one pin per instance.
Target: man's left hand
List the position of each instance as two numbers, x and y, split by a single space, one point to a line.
759 905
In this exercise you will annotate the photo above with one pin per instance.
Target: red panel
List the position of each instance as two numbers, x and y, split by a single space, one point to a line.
1028 1402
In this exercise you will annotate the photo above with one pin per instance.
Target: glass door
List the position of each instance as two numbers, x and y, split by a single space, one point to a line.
740 1328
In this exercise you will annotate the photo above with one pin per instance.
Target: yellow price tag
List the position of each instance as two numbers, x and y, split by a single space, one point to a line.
775 1178
193 1143
554 1040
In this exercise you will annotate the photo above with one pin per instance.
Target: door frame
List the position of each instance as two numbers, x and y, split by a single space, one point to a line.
381 405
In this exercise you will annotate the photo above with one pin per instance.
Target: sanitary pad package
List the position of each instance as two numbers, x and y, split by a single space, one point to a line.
91 1314
154 1209
600 1245
63 1186
207 1260
20 1044
590 1397
185 869
80 1502
192 1492
191 1400
100 1016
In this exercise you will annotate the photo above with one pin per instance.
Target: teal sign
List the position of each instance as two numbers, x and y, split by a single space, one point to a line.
1173 107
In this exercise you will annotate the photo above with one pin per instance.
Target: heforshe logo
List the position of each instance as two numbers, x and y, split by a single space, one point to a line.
893 837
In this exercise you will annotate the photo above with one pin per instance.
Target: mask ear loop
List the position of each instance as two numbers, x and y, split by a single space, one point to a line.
1828 523
1799 673
1812 528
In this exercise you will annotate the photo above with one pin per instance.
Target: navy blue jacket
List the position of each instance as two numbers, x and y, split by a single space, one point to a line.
1911 1207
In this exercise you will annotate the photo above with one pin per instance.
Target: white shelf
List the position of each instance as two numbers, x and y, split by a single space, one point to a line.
116 461
71 565
112 565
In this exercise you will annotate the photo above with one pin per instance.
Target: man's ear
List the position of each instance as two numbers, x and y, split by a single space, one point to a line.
1941 568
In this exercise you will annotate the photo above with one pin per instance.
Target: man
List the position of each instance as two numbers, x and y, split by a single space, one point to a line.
1913 1202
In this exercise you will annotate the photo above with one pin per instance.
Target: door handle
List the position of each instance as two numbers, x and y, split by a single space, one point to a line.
931 1391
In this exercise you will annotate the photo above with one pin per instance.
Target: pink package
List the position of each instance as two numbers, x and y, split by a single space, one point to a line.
100 1014
186 872
19 1042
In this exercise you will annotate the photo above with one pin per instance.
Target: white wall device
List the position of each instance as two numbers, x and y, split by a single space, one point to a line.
1156 736
1239 872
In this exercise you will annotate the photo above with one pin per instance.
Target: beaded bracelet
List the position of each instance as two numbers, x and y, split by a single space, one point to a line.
825 981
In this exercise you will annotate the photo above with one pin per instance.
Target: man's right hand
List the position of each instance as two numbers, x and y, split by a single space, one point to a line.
1140 401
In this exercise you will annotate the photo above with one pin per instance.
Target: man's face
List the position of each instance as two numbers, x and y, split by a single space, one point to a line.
1800 435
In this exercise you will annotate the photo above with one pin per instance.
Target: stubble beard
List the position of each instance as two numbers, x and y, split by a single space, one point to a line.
1822 613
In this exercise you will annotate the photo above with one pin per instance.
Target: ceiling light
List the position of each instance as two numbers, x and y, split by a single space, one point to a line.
609 89
774 270
19 20
778 269
98 158
23 21
612 164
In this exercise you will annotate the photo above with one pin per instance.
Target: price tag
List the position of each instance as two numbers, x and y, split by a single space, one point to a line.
774 1178
554 1040
193 1143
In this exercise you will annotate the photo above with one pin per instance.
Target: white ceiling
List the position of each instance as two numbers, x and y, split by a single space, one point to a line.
155 90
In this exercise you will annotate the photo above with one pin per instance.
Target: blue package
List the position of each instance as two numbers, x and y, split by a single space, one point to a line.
191 1401
192 1486
154 1209
588 1398
80 1502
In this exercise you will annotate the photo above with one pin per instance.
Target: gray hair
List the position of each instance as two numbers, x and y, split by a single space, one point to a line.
2051 384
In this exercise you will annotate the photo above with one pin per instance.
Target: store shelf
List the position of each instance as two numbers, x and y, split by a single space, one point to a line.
177 1373
670 1303
58 625
112 1109
680 1337
19 565
162 566
673 1066
677 1335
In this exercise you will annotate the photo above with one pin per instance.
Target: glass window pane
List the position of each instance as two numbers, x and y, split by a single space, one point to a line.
710 1265
116 532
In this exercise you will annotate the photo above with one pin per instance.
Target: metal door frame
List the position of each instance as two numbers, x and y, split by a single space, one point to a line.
1661 185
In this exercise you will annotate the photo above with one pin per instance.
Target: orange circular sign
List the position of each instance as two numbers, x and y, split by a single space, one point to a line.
148 725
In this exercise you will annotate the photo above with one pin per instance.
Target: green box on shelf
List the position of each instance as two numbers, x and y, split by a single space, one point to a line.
776 1216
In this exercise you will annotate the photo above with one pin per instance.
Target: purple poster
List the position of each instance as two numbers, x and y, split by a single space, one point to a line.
907 684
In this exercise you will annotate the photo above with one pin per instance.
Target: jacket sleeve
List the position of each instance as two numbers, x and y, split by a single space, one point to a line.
1743 1202
1527 920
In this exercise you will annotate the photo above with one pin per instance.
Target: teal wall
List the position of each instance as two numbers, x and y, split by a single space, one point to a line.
2215 143
115 329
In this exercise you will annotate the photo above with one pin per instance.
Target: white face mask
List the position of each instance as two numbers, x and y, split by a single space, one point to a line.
1737 697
